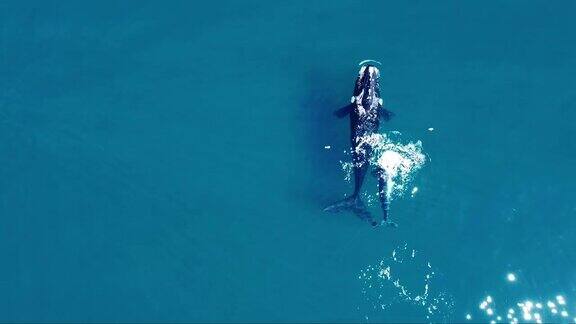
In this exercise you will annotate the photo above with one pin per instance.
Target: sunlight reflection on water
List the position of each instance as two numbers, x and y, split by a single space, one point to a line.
533 310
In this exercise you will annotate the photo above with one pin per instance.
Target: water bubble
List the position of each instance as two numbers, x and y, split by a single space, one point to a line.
511 277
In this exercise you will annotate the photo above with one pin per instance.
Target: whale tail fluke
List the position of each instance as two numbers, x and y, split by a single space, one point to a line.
343 204
355 205
389 224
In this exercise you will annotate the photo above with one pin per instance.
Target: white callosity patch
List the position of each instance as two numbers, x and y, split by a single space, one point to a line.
361 71
358 99
404 279
373 74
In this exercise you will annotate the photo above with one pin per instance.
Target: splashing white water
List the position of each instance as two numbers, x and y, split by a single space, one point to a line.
398 161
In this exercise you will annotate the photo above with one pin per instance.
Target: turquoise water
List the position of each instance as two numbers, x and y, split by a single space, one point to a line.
165 161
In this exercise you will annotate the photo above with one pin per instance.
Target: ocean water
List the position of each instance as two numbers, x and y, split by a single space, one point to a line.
166 161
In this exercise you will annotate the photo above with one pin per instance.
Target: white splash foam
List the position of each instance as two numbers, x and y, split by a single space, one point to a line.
398 161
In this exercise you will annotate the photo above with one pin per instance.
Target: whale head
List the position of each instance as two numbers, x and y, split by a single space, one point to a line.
367 88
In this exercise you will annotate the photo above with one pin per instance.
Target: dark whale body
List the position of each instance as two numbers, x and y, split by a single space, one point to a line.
365 112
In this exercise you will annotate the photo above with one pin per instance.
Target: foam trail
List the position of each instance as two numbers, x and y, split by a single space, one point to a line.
404 281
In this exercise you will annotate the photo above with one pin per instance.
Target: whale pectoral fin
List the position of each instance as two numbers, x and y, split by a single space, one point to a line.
344 111
386 114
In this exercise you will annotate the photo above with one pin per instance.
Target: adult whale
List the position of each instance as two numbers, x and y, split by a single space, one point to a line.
365 111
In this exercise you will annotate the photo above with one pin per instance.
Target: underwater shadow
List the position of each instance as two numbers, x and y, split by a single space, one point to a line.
324 94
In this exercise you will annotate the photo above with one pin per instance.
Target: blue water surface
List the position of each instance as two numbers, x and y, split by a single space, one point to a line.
165 160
